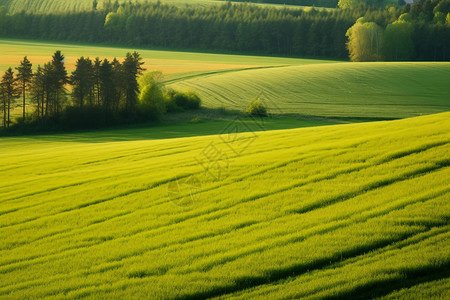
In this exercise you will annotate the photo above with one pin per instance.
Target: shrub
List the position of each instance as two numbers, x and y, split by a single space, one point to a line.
151 102
169 100
171 106
188 100
257 109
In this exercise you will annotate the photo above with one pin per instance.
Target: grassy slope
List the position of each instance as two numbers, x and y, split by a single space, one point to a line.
174 64
343 210
391 90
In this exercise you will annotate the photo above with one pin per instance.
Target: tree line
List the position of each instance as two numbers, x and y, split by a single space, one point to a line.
228 27
243 28
102 92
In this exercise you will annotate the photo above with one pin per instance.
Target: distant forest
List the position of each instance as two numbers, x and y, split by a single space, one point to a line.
247 28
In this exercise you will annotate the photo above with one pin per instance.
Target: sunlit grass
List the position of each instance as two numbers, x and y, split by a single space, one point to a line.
342 210
173 64
376 90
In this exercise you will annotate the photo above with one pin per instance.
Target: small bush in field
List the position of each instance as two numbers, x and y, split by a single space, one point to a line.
188 100
257 109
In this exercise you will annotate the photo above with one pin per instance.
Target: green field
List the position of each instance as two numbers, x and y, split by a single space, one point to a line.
174 64
214 204
341 211
389 90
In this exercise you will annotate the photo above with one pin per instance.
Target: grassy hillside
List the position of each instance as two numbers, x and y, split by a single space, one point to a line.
356 210
391 90
173 63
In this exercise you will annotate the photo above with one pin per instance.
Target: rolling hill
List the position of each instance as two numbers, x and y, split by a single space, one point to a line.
357 210
363 90
174 64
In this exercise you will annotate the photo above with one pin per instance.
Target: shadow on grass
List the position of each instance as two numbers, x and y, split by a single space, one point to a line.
206 121
408 277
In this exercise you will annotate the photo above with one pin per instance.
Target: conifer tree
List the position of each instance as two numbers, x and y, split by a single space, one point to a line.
9 92
24 76
132 68
60 78
82 80
38 92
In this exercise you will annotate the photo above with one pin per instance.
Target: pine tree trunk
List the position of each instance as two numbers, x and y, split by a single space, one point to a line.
42 106
4 114
9 109
24 102
46 104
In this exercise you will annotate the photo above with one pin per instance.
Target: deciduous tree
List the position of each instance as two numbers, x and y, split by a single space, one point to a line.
397 41
364 41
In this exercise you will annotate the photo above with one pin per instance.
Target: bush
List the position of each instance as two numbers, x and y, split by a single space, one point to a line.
151 102
169 100
186 100
257 109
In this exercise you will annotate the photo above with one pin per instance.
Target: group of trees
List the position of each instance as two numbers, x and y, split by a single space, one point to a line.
421 32
48 87
13 87
103 92
111 86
